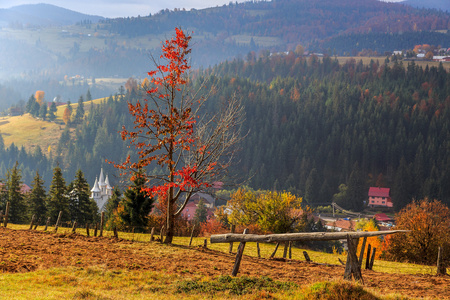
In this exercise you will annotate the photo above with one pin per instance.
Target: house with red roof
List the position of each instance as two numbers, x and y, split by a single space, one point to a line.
379 197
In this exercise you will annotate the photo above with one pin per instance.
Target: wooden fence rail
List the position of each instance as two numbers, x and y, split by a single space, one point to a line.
303 236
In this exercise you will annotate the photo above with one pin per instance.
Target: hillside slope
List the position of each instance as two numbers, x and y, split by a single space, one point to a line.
42 15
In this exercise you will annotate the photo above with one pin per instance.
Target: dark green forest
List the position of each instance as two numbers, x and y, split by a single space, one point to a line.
312 126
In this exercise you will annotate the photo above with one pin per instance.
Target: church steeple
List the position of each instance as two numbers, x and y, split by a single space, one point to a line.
101 191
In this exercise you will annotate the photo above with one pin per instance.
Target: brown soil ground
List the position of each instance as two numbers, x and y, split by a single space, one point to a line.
25 251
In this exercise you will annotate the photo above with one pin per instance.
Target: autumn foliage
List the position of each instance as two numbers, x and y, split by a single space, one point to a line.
39 95
167 135
429 222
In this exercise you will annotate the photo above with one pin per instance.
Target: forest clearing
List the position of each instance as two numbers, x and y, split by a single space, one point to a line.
50 265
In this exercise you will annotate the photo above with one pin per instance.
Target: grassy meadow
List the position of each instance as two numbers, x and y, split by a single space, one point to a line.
31 132
101 282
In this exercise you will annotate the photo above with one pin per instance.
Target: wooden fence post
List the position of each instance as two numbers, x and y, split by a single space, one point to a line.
352 266
441 267
305 254
32 221
290 249
361 253
205 243
152 233
239 253
47 223
372 259
233 228
258 250
192 235
161 233
286 246
87 229
5 222
275 251
74 227
37 223
102 220
368 256
57 221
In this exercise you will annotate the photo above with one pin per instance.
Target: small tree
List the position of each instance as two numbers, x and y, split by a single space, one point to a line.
13 184
201 213
66 115
429 222
272 212
190 151
37 197
43 110
79 114
111 209
58 200
51 112
136 204
40 97
81 208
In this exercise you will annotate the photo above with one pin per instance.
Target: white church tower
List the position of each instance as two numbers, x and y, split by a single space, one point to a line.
102 191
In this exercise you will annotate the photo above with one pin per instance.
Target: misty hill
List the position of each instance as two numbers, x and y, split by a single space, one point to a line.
121 47
292 22
443 5
42 15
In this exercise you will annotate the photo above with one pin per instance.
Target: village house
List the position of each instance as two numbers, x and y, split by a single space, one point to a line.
379 197
192 205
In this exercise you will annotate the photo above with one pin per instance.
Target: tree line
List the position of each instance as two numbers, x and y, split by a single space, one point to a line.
71 199
315 128
314 125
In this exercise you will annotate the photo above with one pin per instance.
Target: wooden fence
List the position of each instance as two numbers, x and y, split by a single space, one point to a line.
353 264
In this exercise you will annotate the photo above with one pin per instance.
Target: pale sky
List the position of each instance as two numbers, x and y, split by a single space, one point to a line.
120 8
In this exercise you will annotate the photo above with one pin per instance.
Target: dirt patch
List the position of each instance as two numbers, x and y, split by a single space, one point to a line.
25 251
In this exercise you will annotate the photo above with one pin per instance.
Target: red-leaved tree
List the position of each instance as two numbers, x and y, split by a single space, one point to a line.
189 151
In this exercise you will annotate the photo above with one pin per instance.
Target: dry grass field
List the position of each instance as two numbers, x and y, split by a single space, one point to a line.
47 265
31 132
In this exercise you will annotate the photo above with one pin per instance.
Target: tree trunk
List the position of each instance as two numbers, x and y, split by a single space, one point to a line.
170 223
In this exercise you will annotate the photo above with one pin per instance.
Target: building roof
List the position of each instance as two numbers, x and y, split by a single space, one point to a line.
108 186
381 217
342 225
379 192
101 180
95 188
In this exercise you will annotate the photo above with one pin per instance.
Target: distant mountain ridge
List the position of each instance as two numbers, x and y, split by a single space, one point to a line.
443 5
43 15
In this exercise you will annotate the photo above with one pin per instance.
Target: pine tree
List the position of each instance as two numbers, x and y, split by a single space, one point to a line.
88 94
43 110
113 203
51 112
357 190
136 204
201 213
13 185
79 114
79 202
58 200
37 197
